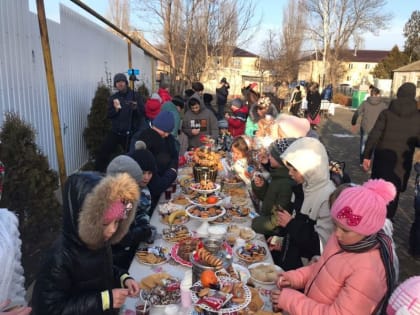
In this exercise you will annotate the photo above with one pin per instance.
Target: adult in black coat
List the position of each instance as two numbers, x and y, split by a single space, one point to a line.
127 115
77 276
392 142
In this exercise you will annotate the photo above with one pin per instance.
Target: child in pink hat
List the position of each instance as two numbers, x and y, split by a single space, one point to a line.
406 298
355 273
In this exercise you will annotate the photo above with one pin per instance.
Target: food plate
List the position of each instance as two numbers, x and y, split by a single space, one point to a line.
163 294
251 252
175 233
180 200
246 233
242 272
185 261
152 256
229 307
264 270
202 200
205 213
196 187
172 214
187 246
233 183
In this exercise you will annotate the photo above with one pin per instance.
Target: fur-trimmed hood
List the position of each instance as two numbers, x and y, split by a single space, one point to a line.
86 197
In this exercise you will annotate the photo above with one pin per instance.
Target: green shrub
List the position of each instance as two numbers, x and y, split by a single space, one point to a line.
98 124
29 183
143 91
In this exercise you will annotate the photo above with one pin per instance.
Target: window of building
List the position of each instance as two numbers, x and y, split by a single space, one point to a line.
350 66
418 82
367 66
236 63
348 78
403 79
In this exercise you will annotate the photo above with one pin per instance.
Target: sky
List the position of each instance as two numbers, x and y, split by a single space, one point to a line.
271 12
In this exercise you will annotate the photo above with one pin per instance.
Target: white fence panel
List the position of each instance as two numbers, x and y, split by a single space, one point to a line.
82 54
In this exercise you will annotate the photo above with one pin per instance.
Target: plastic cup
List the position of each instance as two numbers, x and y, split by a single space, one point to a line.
142 308
174 187
168 193
186 300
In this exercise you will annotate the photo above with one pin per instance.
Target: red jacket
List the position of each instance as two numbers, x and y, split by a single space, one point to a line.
236 123
164 95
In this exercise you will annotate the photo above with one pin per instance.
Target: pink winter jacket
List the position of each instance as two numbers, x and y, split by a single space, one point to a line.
339 283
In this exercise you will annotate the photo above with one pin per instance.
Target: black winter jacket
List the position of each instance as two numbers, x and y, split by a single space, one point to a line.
131 117
163 149
394 138
79 266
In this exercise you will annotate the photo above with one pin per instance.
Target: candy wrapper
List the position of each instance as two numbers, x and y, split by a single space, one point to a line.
214 299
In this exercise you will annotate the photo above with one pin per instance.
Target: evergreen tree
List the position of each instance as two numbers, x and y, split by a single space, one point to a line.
412 35
29 183
143 91
394 60
98 124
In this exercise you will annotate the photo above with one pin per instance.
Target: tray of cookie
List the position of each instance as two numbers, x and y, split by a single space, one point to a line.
153 255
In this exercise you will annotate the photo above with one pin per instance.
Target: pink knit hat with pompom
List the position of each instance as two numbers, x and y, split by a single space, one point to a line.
406 298
362 209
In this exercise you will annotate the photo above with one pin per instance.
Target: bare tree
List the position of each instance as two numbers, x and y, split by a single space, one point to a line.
119 13
195 31
334 23
281 50
294 24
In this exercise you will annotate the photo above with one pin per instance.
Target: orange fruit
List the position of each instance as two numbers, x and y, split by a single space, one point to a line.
212 199
208 278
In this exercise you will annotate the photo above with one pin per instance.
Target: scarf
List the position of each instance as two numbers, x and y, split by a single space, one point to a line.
384 243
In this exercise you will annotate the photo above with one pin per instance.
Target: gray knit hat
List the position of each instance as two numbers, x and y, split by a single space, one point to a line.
237 102
125 164
120 77
277 147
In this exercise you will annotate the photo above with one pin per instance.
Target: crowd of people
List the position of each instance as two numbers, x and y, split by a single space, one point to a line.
336 246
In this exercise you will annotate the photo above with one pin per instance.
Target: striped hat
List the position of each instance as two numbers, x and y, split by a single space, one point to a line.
406 298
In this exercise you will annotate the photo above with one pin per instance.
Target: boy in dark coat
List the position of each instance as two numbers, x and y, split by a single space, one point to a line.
78 276
160 141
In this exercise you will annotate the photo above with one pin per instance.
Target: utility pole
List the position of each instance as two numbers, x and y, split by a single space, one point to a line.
51 91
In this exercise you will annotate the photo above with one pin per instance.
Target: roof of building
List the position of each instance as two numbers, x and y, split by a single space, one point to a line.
239 52
411 67
356 55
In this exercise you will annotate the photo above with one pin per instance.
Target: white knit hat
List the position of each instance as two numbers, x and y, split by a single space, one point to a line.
406 298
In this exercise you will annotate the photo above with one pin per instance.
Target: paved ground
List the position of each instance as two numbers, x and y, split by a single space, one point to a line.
343 146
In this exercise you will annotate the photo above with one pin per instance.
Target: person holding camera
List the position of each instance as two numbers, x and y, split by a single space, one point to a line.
222 92
127 114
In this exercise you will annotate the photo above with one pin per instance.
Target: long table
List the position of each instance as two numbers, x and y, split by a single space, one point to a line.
138 270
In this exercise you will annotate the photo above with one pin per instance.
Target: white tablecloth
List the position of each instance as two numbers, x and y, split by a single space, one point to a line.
139 271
